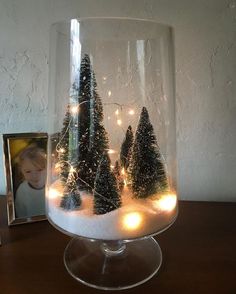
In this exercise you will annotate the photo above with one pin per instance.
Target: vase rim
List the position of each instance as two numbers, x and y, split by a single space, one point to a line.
116 18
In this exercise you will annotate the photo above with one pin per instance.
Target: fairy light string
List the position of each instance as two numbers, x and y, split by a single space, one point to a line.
69 145
73 174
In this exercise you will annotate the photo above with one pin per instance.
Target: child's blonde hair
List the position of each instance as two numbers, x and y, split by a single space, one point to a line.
36 155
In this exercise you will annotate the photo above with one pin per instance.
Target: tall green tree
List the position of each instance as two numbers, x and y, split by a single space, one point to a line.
83 138
67 146
147 174
93 139
63 147
67 154
126 148
106 195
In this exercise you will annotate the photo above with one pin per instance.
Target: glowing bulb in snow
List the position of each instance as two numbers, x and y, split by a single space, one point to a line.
166 202
53 193
132 221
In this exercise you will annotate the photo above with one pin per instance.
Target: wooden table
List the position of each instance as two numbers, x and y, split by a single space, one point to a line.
199 253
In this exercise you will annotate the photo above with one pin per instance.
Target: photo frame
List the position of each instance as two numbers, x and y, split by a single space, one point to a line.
25 169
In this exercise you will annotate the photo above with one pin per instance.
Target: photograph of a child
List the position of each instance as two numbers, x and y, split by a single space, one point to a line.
29 197
26 161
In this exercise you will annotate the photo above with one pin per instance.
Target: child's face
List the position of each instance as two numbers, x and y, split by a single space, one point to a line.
33 175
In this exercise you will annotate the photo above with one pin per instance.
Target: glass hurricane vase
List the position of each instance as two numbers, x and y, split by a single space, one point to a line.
112 149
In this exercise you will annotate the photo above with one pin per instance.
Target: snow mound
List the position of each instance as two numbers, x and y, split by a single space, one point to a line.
113 225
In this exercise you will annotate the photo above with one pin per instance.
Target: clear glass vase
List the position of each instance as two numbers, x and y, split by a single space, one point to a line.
112 147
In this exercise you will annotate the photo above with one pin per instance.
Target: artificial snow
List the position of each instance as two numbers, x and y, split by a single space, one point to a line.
110 226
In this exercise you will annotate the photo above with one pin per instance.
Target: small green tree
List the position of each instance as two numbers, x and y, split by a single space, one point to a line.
71 199
106 195
147 174
118 175
126 148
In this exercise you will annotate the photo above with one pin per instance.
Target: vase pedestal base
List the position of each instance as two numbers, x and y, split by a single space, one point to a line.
112 265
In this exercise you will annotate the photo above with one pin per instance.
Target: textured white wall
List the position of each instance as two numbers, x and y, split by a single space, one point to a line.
205 41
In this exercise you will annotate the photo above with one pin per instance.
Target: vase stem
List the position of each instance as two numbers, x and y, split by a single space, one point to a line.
113 248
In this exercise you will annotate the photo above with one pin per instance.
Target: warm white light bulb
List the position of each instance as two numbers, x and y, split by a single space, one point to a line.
166 202
119 122
111 151
109 93
57 165
72 169
132 220
74 109
131 112
62 150
117 111
53 193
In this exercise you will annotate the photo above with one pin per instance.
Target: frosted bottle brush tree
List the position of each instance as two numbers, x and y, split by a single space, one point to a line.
126 148
63 147
67 155
92 136
118 174
147 174
106 192
71 199
83 138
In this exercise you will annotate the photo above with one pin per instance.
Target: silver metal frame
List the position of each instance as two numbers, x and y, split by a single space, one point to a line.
12 220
